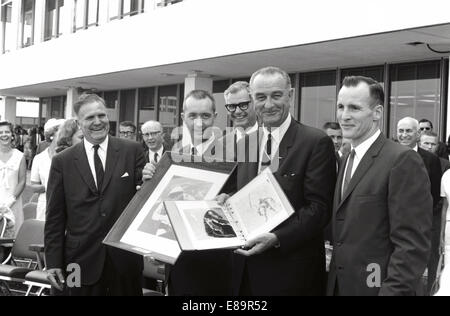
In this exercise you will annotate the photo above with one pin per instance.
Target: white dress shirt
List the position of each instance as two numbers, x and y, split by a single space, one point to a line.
360 151
240 134
277 136
201 148
151 154
101 153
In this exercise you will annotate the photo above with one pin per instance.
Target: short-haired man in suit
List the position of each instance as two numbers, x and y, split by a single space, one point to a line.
89 186
429 141
409 135
153 136
441 148
290 260
382 204
127 130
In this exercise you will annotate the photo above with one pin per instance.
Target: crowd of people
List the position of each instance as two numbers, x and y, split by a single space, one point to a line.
378 205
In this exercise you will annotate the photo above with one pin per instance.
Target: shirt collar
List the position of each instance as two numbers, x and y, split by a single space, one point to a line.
201 148
248 131
362 148
416 149
159 152
279 132
89 146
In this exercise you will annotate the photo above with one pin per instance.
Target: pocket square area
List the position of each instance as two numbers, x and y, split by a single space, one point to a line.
125 175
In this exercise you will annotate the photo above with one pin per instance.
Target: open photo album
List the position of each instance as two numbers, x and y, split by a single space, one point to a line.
257 208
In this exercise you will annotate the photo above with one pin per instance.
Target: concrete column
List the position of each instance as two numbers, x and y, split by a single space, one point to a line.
15 21
10 109
72 97
197 81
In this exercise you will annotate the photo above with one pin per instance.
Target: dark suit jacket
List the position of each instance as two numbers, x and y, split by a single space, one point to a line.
433 166
383 219
307 174
445 165
200 273
79 217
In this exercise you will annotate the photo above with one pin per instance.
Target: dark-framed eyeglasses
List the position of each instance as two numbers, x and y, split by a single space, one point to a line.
425 128
243 106
127 133
152 134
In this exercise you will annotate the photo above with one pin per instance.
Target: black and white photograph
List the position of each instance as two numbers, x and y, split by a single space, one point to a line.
344 103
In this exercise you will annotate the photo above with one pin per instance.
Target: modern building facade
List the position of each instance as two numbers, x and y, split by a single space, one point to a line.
143 56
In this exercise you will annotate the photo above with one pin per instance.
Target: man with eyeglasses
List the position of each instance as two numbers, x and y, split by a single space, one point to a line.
153 136
441 150
127 130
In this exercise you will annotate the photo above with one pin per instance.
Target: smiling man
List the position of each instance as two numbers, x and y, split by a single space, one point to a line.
152 133
382 204
290 260
89 186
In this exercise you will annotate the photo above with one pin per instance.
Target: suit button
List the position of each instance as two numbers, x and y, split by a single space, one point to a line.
340 268
103 214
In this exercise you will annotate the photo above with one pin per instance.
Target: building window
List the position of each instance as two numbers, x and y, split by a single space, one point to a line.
27 22
415 92
118 9
165 3
86 14
168 107
376 73
7 30
111 99
147 107
318 98
54 18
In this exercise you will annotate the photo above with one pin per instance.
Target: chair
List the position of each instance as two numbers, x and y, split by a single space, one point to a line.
22 260
156 271
29 211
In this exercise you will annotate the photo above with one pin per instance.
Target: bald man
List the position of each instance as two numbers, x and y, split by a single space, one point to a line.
408 133
153 135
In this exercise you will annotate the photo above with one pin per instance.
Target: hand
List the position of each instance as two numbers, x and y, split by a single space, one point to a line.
10 202
56 278
222 198
153 261
258 245
148 172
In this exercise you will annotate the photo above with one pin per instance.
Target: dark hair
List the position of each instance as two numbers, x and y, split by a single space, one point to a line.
87 98
128 124
65 134
332 125
200 95
375 88
426 121
11 128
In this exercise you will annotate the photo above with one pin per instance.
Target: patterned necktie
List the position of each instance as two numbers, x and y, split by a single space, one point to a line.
348 172
99 172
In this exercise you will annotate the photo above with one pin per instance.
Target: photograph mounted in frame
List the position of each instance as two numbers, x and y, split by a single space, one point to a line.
257 208
144 227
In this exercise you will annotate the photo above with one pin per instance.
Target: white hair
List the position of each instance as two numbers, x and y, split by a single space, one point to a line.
409 120
151 123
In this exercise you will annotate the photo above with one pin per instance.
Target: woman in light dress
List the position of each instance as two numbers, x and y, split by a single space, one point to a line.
65 133
12 180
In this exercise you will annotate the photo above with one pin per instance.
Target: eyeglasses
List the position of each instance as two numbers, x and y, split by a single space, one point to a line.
425 128
127 133
153 134
232 107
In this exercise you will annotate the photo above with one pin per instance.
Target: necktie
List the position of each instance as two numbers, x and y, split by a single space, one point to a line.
348 172
267 154
194 151
99 172
155 158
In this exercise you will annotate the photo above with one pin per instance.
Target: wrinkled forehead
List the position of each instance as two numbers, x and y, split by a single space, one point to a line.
428 139
406 126
238 97
196 106
153 128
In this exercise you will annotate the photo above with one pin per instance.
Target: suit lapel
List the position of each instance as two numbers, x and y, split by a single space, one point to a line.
363 167
82 164
287 142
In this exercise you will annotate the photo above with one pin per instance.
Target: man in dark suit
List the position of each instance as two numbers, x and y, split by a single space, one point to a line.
153 135
90 184
290 260
199 273
382 204
441 148
408 133
429 141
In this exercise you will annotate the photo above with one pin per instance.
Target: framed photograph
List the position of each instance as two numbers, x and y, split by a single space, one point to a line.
144 227
257 208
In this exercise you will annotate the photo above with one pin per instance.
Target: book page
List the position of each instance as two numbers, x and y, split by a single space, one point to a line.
206 224
260 206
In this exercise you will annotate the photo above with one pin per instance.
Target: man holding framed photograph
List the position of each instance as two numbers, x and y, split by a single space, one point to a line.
290 260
